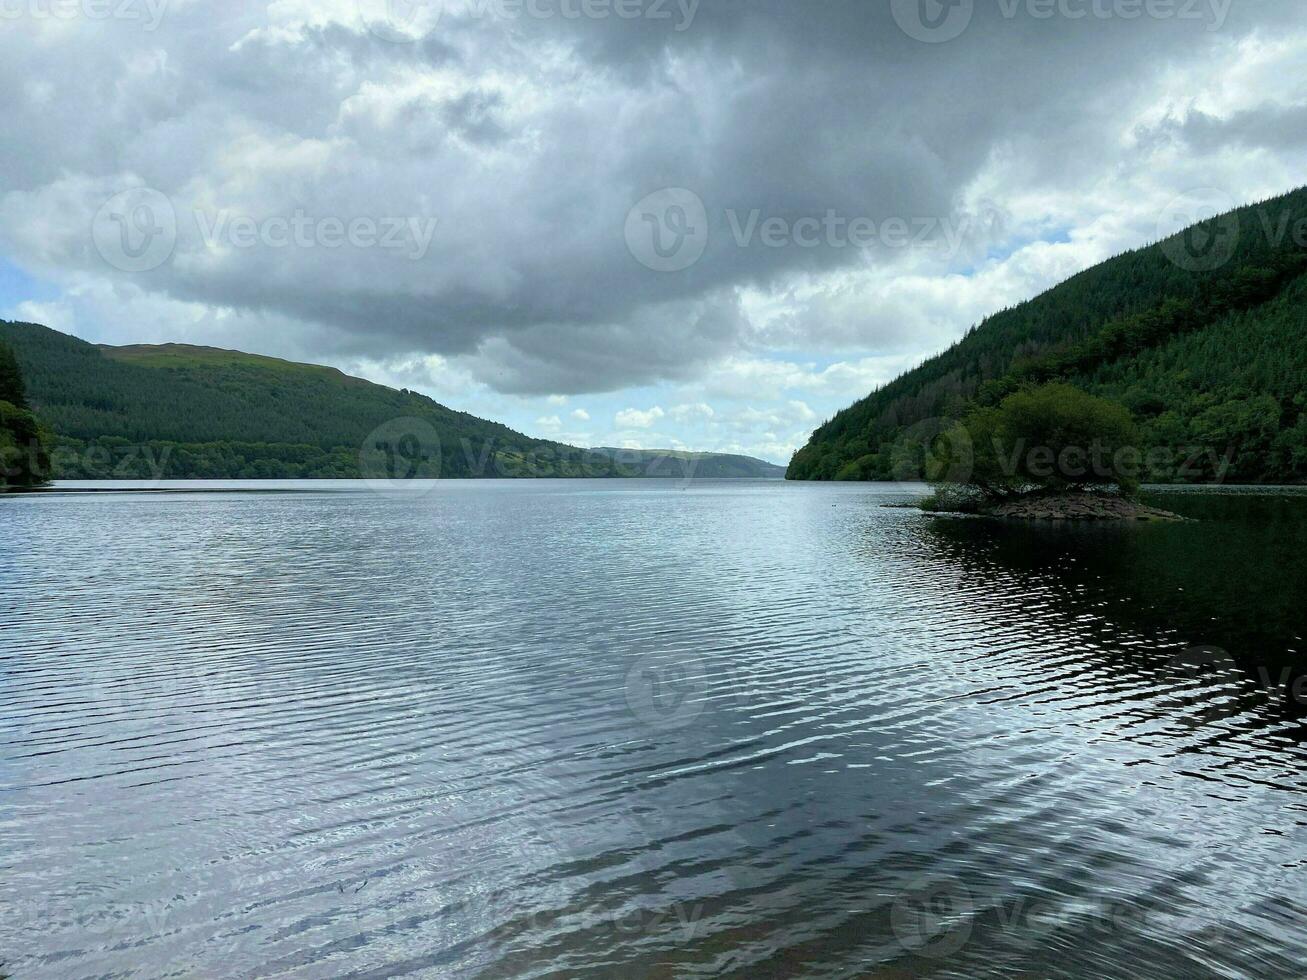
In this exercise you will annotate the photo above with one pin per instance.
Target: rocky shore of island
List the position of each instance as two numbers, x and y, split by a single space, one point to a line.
1066 506
1080 507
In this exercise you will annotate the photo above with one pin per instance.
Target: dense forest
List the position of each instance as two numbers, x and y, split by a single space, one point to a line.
1211 363
181 412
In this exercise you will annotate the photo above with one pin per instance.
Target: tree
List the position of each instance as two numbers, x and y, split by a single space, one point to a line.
1050 439
24 452
12 389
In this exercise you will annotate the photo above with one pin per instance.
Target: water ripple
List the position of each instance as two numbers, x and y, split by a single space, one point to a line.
578 729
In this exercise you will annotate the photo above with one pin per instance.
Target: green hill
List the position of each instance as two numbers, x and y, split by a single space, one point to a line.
677 464
1213 362
181 412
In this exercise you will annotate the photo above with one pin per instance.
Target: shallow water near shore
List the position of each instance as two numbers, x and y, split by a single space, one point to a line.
648 729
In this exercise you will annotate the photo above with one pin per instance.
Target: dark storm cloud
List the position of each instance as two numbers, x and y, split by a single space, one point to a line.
527 140
1269 125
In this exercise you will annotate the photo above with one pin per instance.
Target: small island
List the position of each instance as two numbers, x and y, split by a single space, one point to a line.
1048 453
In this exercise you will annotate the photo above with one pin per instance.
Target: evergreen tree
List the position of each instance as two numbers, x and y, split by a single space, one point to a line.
24 450
11 379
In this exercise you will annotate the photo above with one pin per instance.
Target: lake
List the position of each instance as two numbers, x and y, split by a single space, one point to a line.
647 729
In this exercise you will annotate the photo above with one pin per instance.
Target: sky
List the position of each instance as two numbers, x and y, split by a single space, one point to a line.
702 224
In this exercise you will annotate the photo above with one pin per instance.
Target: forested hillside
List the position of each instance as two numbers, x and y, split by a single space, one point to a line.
1212 363
183 412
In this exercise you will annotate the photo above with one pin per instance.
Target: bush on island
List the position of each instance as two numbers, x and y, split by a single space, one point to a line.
1051 439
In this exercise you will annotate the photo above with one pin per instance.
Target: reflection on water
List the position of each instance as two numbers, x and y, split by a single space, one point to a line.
1237 577
586 729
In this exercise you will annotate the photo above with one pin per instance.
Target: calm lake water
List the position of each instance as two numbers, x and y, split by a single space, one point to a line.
647 729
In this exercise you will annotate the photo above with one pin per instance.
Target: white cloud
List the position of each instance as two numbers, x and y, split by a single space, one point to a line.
802 411
698 410
57 315
633 418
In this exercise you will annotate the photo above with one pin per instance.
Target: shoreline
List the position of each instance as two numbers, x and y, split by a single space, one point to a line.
1082 508
345 484
1076 508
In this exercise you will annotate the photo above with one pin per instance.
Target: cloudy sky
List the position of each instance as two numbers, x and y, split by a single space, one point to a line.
651 223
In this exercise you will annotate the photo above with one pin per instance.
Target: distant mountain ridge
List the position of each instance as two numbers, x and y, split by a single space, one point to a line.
1203 336
679 464
177 411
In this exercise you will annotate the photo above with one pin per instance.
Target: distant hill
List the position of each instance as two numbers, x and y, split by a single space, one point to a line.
1203 337
181 412
676 464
